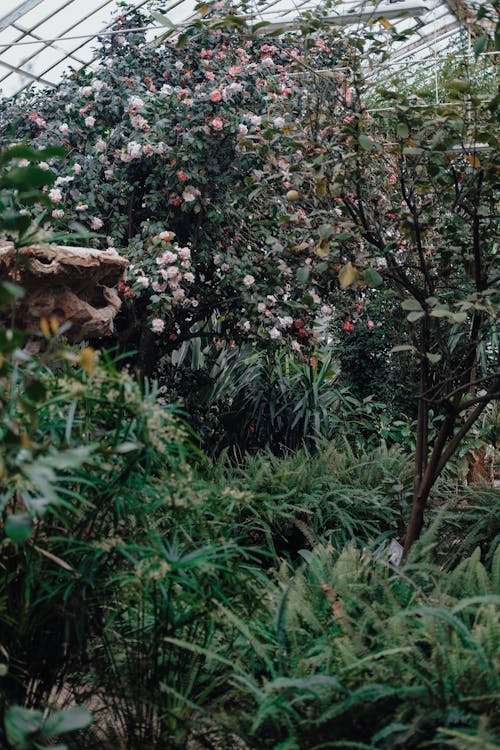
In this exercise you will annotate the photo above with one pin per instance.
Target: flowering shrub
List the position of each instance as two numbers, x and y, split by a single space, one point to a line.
196 142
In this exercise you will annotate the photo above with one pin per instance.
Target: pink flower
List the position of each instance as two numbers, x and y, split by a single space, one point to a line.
57 213
248 280
96 223
215 96
55 195
370 324
64 128
157 325
217 123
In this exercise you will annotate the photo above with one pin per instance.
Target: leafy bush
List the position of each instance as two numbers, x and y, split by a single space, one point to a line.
354 654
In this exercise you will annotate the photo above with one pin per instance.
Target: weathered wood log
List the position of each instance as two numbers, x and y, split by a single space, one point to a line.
71 284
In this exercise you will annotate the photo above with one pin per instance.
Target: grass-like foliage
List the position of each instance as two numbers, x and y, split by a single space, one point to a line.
356 655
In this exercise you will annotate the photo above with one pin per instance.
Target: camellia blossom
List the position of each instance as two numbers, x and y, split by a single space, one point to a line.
274 333
143 282
90 121
188 195
248 280
55 195
217 123
57 213
157 325
215 96
134 149
96 223
135 102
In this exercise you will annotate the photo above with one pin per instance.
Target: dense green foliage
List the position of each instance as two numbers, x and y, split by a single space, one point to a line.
211 557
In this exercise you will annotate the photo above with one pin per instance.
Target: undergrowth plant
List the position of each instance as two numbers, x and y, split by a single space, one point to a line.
354 654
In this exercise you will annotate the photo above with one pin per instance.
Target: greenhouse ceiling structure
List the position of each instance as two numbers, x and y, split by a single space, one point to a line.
42 39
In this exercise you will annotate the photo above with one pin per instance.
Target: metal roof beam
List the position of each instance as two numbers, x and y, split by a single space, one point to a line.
25 73
16 14
409 10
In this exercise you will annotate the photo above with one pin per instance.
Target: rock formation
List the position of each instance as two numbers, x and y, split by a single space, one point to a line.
72 284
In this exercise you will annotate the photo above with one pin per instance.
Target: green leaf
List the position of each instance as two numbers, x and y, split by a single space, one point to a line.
411 304
14 222
440 312
10 292
457 84
303 274
20 723
163 20
480 44
31 176
373 278
414 316
365 142
402 348
69 720
18 527
402 130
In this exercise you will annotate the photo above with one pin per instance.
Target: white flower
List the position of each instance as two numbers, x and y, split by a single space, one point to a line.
166 89
98 85
64 128
261 307
96 223
135 102
267 62
77 168
143 282
185 253
255 120
168 257
157 325
296 346
188 195
57 213
100 146
246 325
139 123
179 65
189 277
90 121
134 149
158 287
43 165
279 122
55 195
248 280
86 91
274 333
242 129
81 207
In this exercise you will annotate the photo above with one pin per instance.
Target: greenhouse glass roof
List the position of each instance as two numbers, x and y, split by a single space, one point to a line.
41 39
